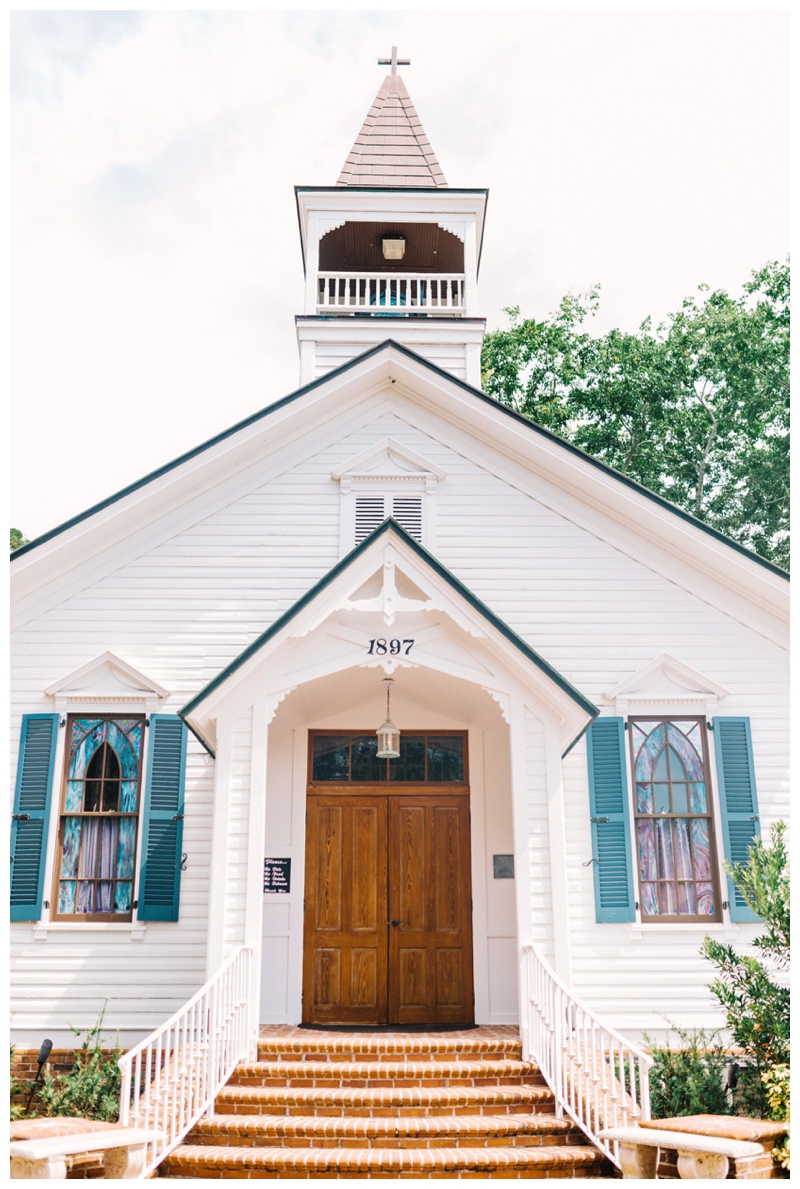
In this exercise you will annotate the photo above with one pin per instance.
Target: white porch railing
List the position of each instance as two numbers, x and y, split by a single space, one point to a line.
377 292
598 1078
174 1075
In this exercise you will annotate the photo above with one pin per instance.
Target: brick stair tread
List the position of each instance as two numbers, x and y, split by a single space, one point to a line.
390 1160
428 1128
384 1097
415 1046
382 1070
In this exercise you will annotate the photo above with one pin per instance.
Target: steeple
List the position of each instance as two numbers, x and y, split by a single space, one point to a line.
392 149
391 251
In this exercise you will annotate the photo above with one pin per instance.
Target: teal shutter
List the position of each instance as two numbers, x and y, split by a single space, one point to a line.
738 800
31 814
611 821
162 832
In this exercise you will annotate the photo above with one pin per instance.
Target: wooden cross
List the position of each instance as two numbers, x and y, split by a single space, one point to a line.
394 61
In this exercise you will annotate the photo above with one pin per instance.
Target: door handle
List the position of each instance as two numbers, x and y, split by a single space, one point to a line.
394 923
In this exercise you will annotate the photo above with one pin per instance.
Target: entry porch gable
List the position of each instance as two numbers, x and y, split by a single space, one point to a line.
388 586
389 608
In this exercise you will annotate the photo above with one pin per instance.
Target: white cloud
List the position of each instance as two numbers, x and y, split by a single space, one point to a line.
156 262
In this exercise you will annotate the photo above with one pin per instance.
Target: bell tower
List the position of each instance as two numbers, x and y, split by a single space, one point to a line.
391 251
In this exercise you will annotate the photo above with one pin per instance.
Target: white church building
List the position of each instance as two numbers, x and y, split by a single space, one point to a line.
587 715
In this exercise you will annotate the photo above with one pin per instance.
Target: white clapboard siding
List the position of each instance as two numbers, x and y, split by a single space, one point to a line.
186 607
449 357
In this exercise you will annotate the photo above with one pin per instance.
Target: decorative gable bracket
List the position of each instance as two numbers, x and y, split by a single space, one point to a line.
106 679
388 463
665 685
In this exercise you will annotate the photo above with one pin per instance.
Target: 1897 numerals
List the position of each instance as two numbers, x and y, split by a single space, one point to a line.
392 647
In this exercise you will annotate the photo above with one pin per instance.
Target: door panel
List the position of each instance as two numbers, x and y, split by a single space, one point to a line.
430 950
344 968
371 860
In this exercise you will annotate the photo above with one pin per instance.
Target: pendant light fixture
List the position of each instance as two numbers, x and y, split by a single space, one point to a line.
388 734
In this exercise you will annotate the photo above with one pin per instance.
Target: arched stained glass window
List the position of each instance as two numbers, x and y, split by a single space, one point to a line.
98 826
674 826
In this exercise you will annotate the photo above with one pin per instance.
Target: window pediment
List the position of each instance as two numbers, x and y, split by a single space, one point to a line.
388 463
107 678
665 682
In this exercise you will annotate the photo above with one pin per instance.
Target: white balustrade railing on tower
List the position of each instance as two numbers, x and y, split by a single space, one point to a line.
172 1077
598 1078
380 292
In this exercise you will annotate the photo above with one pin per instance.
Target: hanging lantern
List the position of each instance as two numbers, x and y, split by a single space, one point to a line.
388 734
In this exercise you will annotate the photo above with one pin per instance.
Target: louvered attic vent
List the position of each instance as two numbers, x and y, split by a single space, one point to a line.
372 510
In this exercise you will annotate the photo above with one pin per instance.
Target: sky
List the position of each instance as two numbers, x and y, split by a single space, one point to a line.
155 258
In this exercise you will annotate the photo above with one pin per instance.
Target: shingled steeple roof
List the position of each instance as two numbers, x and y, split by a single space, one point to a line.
392 149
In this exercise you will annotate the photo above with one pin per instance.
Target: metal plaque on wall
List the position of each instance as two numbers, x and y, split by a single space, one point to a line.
503 866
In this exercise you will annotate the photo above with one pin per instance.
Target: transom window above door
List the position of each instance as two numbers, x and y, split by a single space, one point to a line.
349 757
372 510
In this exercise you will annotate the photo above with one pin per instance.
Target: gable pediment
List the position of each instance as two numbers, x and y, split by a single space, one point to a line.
390 605
665 682
631 519
388 462
107 678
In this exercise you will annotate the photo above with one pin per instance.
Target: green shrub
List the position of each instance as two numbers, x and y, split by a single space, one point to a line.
776 1085
91 1087
14 1088
687 1080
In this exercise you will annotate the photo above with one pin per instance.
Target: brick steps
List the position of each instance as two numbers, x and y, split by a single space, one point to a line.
391 1132
203 1161
440 1072
413 1100
367 1046
357 1105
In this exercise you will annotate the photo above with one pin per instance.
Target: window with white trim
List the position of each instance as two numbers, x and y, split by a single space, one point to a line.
373 509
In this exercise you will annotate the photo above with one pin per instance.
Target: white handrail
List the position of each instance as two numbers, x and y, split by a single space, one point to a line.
598 1077
173 1076
374 291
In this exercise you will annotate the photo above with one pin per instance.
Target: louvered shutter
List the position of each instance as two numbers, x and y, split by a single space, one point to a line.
31 814
610 820
162 832
370 512
407 511
738 800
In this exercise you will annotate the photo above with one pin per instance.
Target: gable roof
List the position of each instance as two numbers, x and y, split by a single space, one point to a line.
501 410
584 706
392 149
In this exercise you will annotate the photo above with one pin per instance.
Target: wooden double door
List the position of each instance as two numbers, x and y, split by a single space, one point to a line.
388 909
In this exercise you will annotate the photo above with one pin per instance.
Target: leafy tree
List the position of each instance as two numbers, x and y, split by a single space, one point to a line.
764 883
756 1006
696 409
17 539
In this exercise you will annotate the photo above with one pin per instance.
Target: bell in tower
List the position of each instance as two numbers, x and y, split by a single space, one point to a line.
391 251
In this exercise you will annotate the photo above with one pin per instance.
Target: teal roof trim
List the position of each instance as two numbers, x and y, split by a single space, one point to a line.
529 653
476 392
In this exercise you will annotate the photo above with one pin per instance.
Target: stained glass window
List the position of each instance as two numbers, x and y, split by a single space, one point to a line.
674 828
99 814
